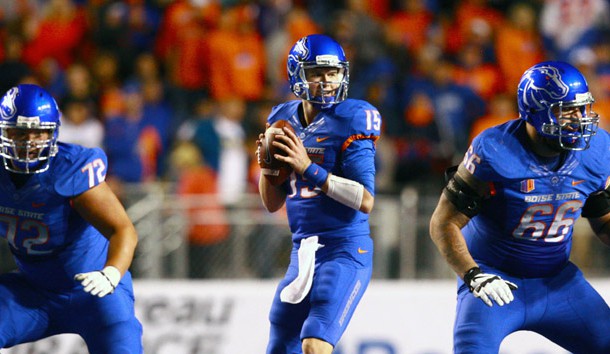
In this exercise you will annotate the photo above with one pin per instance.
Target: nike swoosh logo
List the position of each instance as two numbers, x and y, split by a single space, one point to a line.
37 205
575 183
319 140
361 251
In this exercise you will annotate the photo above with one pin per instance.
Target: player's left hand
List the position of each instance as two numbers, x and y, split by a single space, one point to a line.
489 287
101 282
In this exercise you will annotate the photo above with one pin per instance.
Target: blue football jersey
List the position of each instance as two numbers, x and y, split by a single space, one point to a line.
50 241
341 140
525 227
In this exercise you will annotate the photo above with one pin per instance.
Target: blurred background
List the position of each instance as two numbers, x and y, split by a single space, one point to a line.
177 91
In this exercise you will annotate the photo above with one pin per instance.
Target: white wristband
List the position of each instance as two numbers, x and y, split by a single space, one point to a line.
345 191
113 275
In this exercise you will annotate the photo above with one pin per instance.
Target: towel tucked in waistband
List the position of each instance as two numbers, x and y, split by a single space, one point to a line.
296 291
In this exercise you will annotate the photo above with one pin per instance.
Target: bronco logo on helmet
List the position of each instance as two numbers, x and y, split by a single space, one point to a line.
298 53
7 107
542 90
300 48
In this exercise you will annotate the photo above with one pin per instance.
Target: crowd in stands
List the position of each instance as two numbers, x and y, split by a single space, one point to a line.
144 78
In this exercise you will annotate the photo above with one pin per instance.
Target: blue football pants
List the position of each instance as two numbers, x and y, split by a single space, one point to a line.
564 308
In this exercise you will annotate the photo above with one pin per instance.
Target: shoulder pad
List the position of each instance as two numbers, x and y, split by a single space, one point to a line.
77 169
283 111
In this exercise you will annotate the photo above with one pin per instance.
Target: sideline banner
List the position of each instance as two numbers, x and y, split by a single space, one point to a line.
230 317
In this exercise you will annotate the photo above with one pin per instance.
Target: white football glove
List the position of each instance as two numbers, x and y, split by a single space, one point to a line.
489 286
101 282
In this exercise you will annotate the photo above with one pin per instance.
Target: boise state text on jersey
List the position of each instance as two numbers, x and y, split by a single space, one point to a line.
44 232
535 204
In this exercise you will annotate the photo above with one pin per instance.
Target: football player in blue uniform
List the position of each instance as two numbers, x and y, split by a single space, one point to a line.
327 197
69 235
504 221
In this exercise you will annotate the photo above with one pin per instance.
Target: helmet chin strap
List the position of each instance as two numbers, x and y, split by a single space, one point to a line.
543 145
561 153
553 144
322 106
540 144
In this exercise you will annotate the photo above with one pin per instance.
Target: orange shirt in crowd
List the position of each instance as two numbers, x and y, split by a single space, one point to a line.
516 51
151 148
200 182
467 14
602 107
111 102
298 25
57 36
502 108
237 68
420 111
379 9
486 79
181 42
410 29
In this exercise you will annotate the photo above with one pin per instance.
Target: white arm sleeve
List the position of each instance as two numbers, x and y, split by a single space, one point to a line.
345 191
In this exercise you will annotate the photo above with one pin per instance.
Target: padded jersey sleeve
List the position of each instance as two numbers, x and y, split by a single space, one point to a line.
81 169
358 163
478 159
273 115
600 144
284 111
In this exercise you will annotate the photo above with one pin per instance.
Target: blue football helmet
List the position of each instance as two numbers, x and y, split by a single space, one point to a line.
29 123
545 91
318 51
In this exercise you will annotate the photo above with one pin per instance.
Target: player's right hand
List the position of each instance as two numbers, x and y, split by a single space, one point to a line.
489 287
101 282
